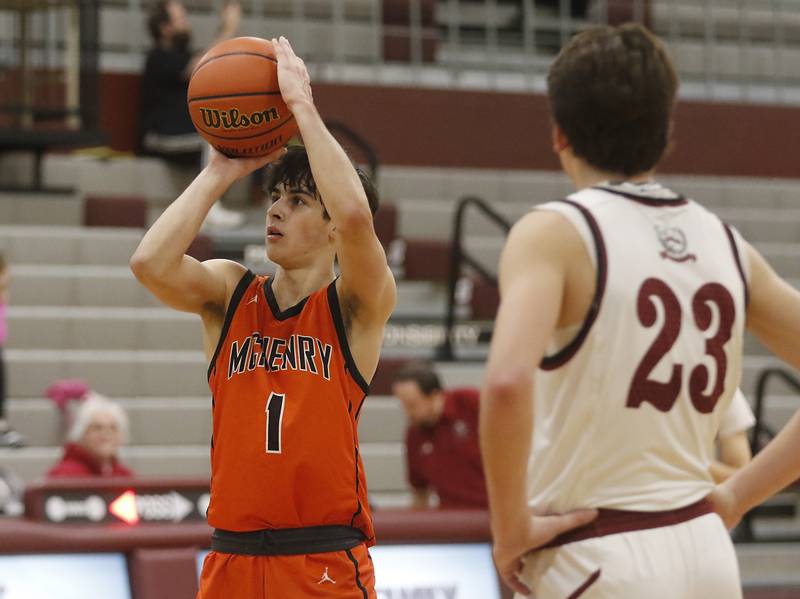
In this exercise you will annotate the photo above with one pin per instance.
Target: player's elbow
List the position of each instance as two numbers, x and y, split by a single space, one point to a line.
355 219
507 384
142 265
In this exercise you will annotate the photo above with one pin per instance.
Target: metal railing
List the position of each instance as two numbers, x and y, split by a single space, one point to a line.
459 257
760 435
746 50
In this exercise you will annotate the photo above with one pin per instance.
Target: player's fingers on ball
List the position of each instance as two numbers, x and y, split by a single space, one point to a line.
277 48
289 48
273 156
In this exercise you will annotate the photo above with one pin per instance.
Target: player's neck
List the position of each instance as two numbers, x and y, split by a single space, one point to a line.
584 175
292 285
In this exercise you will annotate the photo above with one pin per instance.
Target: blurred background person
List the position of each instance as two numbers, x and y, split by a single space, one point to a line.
99 430
166 127
733 447
8 436
442 454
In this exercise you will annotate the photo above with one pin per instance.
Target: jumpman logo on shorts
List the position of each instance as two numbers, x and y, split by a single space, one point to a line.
326 578
253 299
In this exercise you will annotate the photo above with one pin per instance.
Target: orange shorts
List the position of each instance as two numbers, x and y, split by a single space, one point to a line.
341 574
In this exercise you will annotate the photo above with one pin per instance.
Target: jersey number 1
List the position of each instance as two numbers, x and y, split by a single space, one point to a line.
274 422
663 395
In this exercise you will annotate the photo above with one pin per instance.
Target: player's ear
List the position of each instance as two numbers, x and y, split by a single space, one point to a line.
559 139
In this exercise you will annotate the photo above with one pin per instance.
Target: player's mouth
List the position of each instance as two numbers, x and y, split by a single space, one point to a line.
273 233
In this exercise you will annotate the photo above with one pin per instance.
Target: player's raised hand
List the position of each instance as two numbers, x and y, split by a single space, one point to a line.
509 551
233 169
293 77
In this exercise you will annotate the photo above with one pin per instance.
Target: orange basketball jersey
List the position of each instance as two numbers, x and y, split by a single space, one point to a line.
286 397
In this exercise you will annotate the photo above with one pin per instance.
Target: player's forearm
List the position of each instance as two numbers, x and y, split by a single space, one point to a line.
720 471
506 422
334 175
161 250
773 469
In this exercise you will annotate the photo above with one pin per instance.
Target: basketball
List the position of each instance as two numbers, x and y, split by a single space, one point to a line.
235 102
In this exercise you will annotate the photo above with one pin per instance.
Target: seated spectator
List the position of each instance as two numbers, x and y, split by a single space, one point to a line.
8 436
441 439
733 447
99 429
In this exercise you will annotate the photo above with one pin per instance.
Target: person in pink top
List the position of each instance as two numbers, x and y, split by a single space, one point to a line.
8 436
93 442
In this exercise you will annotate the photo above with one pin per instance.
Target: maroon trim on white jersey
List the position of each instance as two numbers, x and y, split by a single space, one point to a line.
738 258
570 349
612 522
585 586
647 200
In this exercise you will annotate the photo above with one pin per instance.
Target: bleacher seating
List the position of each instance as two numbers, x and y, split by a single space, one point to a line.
77 311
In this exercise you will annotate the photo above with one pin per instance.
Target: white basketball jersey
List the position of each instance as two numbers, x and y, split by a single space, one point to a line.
627 405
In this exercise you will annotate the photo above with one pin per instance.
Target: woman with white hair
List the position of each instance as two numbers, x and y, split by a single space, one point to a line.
99 429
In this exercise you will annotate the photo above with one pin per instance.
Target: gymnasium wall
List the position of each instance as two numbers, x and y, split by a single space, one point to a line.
474 129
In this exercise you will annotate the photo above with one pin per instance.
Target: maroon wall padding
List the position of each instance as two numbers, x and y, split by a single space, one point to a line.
386 223
120 101
383 378
427 260
474 129
163 573
103 211
485 300
202 248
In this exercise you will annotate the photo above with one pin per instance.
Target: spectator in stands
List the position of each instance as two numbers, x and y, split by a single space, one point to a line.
733 447
99 429
166 127
441 440
8 436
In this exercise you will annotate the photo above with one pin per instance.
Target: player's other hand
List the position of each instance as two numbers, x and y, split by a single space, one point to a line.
233 169
724 502
509 550
293 77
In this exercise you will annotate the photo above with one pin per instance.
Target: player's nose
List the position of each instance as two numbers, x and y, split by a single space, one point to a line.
276 209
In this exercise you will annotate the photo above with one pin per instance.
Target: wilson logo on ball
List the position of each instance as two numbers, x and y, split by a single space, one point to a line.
233 119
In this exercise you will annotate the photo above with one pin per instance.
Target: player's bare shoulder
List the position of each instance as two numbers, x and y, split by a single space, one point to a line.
230 273
544 234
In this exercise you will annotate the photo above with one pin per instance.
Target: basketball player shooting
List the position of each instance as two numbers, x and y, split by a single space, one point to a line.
617 348
289 361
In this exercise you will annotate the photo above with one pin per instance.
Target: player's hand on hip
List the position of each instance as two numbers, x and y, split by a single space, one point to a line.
293 77
724 502
508 552
236 168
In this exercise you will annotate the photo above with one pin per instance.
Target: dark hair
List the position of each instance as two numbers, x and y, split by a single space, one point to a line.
422 373
159 15
612 91
294 170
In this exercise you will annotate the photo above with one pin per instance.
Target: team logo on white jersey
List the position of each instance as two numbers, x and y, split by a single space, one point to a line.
675 245
326 578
